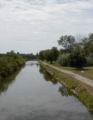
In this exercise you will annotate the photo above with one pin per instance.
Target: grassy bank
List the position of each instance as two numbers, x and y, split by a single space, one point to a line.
83 92
9 64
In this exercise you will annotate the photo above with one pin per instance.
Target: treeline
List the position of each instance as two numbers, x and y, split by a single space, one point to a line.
10 63
29 56
49 54
74 53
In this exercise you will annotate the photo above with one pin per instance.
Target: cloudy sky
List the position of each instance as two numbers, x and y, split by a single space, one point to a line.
32 25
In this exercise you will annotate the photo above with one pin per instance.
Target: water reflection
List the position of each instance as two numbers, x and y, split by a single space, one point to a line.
5 83
35 96
47 76
31 63
62 89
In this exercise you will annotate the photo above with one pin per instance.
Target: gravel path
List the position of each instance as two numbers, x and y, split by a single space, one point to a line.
84 80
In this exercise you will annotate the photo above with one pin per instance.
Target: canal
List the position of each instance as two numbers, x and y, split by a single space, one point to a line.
30 95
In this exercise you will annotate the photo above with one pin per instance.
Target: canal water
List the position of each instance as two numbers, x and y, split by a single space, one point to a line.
32 96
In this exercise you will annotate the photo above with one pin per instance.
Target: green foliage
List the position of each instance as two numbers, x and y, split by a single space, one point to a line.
81 53
77 58
89 60
49 54
54 53
10 63
64 59
29 56
88 44
67 41
75 54
86 98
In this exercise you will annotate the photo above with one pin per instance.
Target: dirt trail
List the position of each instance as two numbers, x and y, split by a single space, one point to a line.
84 80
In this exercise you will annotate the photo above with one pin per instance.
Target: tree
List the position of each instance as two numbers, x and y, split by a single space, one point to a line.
88 45
54 53
77 58
49 54
41 55
64 59
67 42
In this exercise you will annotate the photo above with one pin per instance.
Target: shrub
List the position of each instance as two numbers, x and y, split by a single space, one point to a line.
89 60
10 63
64 59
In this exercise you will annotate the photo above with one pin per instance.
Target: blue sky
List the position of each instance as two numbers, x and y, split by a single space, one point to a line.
33 25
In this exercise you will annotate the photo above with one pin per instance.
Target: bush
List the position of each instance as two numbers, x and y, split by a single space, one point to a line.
89 60
74 59
9 64
64 59
77 59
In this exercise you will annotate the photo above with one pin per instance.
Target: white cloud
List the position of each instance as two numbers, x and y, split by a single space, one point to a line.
32 22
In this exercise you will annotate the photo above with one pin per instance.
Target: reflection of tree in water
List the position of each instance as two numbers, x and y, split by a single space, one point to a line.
41 70
4 83
62 89
47 76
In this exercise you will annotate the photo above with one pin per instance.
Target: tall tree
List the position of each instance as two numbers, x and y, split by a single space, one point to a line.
88 44
67 42
77 57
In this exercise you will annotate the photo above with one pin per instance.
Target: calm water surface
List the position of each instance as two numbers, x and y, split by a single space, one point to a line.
31 96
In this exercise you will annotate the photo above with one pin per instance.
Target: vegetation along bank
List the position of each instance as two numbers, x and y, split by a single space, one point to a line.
10 63
82 91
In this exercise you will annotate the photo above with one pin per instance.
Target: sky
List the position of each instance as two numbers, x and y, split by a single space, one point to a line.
29 26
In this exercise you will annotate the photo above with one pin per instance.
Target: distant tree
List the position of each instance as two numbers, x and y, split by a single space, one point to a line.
42 55
77 58
67 41
49 54
88 44
30 56
64 59
10 63
54 53
73 53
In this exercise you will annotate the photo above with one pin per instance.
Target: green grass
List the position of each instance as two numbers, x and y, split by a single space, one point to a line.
87 71
83 92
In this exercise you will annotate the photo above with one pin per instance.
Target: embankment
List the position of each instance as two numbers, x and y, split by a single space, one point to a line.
83 92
